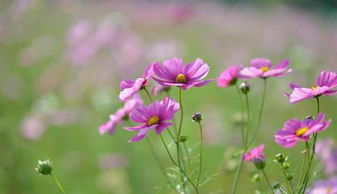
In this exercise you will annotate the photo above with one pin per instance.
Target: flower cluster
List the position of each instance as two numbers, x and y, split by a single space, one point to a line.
159 116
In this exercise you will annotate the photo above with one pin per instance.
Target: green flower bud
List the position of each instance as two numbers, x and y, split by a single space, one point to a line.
285 165
44 167
256 178
289 176
183 138
280 158
259 164
197 117
276 185
244 87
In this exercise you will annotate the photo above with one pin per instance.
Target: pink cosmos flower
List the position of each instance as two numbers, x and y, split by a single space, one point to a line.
120 115
174 72
131 87
254 154
261 67
295 130
153 117
324 85
229 76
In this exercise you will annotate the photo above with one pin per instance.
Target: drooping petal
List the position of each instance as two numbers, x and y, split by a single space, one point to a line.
142 133
129 92
162 126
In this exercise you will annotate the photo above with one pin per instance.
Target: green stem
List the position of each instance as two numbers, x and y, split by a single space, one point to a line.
289 182
237 174
200 161
248 119
179 166
313 152
267 180
57 183
187 154
179 131
148 94
261 110
242 113
157 160
244 139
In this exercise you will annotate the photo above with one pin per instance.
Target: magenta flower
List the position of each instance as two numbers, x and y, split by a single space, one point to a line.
131 87
229 76
324 187
261 67
173 72
254 154
154 116
120 115
324 85
295 130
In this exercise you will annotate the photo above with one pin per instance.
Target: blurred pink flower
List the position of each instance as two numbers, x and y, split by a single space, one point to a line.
229 76
254 154
327 153
131 87
261 67
32 127
117 118
116 160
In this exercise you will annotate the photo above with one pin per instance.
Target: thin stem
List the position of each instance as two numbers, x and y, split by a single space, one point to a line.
157 160
261 110
244 139
237 174
248 119
200 161
267 180
289 182
148 94
179 131
176 164
313 152
242 119
181 111
187 154
57 183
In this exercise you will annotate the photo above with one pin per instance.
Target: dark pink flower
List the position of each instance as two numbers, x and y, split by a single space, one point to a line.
174 72
324 85
229 76
152 117
119 116
254 154
263 68
295 130
131 87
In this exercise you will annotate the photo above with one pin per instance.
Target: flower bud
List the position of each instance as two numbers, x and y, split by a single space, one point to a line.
256 178
197 117
276 185
280 158
244 87
259 163
183 138
285 165
310 117
289 176
44 167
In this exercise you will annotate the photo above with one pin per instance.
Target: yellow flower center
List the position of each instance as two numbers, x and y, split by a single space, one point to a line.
153 120
301 131
264 69
314 87
181 78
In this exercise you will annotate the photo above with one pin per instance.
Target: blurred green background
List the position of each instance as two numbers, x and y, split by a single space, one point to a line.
61 62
